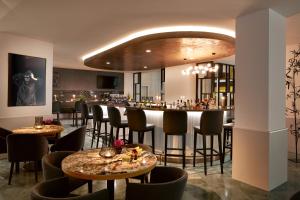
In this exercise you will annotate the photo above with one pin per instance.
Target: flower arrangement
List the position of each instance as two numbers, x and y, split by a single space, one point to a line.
48 122
118 145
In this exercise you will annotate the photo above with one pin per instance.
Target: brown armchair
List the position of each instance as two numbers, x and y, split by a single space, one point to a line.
51 164
3 133
166 183
58 189
25 147
74 141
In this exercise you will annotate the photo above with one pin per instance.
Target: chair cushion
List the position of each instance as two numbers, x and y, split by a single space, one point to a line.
105 119
150 127
124 123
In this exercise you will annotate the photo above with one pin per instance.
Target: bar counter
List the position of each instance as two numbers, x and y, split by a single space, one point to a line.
155 116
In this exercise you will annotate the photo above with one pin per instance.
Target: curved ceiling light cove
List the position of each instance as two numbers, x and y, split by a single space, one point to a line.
163 47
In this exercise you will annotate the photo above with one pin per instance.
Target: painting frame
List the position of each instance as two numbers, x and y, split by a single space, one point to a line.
26 80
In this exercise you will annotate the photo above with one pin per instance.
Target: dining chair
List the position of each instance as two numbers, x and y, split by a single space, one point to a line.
25 147
58 189
73 141
51 165
166 183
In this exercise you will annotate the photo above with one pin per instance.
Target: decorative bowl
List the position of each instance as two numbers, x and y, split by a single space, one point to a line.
107 152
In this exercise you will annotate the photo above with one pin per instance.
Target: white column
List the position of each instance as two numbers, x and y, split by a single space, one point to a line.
260 135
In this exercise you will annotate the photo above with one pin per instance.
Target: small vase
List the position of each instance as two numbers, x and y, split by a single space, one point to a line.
118 150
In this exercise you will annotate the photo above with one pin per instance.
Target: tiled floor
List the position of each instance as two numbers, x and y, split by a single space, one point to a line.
214 186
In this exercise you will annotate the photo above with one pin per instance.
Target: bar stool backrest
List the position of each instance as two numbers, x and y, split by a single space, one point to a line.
97 113
114 116
84 110
26 147
78 106
56 107
211 122
175 121
136 119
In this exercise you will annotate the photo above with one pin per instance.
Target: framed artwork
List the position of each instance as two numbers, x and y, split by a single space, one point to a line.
26 80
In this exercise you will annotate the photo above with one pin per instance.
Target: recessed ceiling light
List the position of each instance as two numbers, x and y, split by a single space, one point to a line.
108 63
148 51
145 67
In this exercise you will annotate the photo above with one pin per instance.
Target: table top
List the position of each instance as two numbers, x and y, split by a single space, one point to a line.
46 130
90 165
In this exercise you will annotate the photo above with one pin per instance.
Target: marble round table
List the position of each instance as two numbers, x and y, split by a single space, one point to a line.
47 130
89 165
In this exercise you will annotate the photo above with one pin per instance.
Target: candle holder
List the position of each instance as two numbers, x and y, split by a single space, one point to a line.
107 152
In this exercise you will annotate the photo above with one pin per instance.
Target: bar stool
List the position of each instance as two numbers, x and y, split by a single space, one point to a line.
175 123
211 124
137 122
97 121
56 109
227 139
85 115
77 110
115 121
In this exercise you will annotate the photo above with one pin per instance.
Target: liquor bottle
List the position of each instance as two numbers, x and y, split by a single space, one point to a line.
188 104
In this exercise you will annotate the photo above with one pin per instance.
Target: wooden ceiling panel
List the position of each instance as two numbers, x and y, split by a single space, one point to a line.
167 49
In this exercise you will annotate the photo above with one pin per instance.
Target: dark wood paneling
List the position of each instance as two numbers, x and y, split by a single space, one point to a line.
168 49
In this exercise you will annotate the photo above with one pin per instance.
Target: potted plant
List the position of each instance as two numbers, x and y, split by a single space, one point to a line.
293 94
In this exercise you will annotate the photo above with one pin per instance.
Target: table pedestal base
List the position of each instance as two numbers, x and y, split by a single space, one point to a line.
111 189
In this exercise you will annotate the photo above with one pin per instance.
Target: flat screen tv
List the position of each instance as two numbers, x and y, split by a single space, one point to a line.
107 82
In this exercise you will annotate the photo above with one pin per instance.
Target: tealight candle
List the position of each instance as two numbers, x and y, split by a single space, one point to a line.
144 161
107 154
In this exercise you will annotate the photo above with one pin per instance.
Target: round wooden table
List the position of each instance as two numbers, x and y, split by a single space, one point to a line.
47 130
89 165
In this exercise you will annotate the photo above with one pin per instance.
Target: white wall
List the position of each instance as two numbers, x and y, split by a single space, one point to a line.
30 47
151 79
177 85
128 84
259 101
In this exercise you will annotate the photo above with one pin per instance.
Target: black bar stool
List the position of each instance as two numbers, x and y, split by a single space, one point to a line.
85 115
77 110
227 139
175 123
56 109
211 124
137 122
115 121
97 121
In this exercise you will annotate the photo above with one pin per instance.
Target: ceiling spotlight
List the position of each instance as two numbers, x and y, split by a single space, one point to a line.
145 67
148 51
108 63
